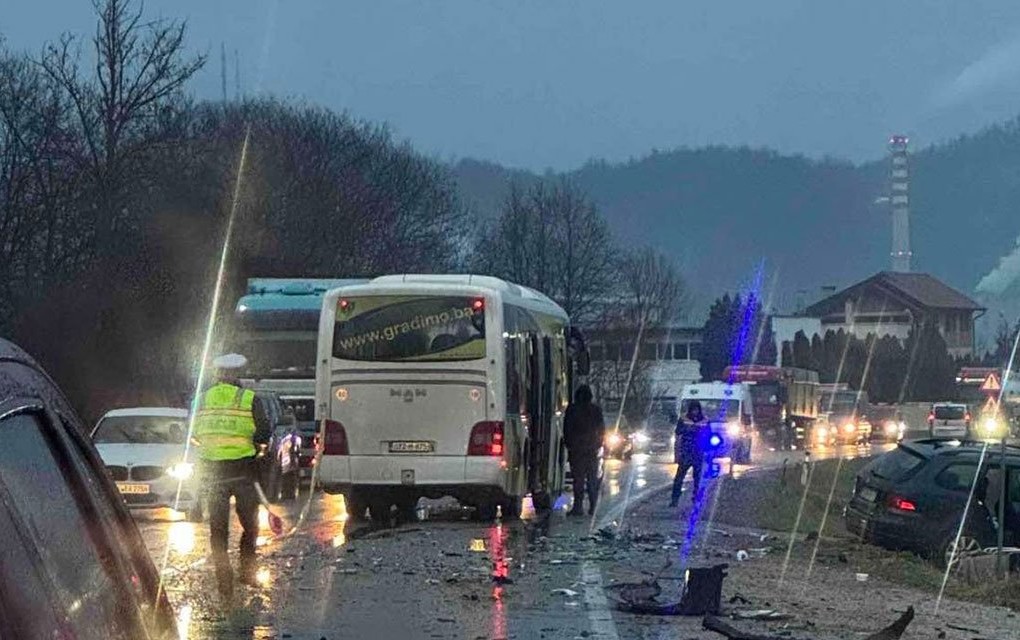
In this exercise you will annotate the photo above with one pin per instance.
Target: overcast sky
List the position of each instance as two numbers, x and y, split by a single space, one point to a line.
542 83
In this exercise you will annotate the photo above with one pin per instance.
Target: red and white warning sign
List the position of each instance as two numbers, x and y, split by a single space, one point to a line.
991 383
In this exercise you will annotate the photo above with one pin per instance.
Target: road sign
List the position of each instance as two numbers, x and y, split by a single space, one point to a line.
991 383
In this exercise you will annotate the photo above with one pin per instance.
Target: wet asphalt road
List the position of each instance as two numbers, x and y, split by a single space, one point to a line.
445 576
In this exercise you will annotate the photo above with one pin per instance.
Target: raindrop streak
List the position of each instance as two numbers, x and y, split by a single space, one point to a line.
959 530
973 485
796 525
807 484
839 460
210 327
619 416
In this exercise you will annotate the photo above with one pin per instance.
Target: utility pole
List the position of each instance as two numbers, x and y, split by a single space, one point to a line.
237 76
223 70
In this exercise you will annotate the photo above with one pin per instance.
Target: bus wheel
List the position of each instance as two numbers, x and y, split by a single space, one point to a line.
510 507
355 507
486 511
380 512
407 511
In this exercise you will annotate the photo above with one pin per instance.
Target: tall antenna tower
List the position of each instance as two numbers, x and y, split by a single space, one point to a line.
899 201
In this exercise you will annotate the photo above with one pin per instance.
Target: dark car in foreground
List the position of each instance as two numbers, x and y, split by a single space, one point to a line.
913 498
72 562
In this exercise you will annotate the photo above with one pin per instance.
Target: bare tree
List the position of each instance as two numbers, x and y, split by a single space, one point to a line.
647 300
140 71
552 238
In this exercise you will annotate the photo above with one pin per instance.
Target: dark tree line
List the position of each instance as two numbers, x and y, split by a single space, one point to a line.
737 331
917 369
115 188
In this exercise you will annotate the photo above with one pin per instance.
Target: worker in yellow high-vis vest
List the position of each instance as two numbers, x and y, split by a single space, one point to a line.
230 426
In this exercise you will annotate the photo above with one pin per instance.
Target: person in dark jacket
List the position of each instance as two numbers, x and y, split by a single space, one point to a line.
692 432
583 430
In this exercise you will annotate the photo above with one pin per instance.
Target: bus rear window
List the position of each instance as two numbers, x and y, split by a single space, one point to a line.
409 328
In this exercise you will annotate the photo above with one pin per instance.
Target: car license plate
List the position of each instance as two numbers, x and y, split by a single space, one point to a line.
132 488
404 446
868 495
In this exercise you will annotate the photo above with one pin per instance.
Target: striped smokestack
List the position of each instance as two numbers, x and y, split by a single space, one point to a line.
899 201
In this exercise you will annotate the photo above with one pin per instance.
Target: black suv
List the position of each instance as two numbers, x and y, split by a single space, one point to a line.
913 497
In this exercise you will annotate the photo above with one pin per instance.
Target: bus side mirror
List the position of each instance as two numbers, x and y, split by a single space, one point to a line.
583 363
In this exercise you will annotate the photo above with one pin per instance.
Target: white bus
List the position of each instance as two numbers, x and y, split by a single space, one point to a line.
443 385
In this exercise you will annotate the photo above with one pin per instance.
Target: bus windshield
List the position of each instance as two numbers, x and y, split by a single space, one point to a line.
409 328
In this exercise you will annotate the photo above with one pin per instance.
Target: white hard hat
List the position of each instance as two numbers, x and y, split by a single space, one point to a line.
230 361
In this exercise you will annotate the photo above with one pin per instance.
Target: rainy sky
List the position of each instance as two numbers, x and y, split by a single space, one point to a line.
539 84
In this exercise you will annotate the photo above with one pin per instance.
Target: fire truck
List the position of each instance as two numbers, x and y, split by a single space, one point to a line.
785 402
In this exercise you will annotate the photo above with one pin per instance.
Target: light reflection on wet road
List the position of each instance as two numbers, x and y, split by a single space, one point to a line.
332 580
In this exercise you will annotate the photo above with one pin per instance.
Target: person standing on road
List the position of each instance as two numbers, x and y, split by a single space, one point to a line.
583 431
230 426
689 449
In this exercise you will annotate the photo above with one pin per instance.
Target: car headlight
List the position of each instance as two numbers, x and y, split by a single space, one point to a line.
992 426
614 440
181 470
641 437
891 427
733 428
849 427
822 432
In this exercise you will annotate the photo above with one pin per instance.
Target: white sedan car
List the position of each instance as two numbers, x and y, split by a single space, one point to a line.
143 450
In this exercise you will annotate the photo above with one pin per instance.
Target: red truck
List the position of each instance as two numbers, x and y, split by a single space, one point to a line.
785 402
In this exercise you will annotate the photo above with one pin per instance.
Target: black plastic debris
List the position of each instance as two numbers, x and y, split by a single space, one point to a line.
701 594
896 629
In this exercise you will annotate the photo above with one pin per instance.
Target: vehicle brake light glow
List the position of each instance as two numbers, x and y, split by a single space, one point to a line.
345 304
486 439
902 504
478 305
335 441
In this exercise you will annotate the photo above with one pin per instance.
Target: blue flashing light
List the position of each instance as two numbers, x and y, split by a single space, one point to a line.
715 440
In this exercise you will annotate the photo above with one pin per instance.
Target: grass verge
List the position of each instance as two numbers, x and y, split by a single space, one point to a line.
772 500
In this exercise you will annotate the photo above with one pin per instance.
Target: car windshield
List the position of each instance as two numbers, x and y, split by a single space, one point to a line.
950 412
141 430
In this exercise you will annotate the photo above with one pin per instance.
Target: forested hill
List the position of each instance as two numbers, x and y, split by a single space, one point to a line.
722 210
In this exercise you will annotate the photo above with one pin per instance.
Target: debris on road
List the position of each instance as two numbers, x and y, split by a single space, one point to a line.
701 594
712 623
761 614
896 629
569 593
742 555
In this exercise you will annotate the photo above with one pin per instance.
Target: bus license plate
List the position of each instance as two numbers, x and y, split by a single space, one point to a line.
404 446
133 488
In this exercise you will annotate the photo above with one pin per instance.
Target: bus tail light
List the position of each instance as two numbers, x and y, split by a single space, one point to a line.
486 439
335 440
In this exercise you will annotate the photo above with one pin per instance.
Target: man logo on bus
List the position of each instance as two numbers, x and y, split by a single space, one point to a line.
408 395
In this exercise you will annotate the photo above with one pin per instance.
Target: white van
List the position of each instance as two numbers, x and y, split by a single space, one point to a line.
730 414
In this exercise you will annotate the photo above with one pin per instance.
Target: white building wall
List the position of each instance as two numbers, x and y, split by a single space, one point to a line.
785 328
